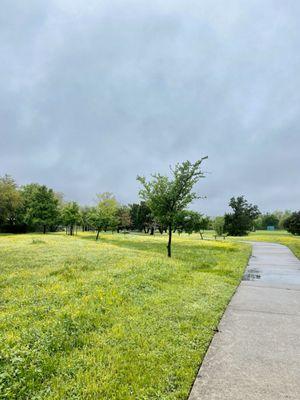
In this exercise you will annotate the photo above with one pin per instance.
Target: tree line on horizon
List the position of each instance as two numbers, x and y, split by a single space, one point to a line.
163 208
38 208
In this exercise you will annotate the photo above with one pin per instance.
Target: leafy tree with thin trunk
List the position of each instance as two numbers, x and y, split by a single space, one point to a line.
201 224
218 226
104 215
71 216
124 220
167 197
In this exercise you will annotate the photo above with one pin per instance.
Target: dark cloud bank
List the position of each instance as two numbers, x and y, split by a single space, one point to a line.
93 93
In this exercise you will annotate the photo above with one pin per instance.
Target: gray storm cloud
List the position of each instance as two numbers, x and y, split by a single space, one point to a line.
94 94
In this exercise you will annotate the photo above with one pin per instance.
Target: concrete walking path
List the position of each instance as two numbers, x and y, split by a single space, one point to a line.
256 353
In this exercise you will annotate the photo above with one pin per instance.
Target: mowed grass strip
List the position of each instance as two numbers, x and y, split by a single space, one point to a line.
114 319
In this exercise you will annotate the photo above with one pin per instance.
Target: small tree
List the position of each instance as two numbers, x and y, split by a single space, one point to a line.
104 215
241 221
218 226
71 215
292 223
84 216
167 197
188 221
41 206
10 201
123 216
202 224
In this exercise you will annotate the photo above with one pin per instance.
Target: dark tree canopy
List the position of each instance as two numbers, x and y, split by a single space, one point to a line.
292 223
141 216
166 197
269 220
41 206
241 221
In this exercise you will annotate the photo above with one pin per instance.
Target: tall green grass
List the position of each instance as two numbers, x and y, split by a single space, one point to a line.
114 319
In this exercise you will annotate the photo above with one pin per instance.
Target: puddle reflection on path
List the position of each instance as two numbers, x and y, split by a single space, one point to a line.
251 274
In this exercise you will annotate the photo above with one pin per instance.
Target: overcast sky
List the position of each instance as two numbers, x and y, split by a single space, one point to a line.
95 92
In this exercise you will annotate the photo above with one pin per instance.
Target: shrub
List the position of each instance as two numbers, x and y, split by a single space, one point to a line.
292 223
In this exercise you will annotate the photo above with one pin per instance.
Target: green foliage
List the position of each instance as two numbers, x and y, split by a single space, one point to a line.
71 215
167 197
10 201
140 216
104 215
241 221
190 222
40 205
292 223
185 221
270 220
84 216
282 216
120 322
257 223
123 217
218 225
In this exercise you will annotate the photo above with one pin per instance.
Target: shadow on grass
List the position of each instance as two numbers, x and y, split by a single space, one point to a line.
187 252
121 241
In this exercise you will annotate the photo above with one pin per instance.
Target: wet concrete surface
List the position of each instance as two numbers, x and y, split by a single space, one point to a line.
256 353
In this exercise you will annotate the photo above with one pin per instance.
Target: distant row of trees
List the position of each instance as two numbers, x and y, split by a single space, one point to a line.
277 219
36 207
163 208
246 217
28 207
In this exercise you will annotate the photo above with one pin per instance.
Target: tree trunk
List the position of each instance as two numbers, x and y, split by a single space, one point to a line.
201 235
169 241
71 230
98 231
44 229
152 231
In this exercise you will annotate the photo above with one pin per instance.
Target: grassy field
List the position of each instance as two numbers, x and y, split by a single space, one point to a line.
114 319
